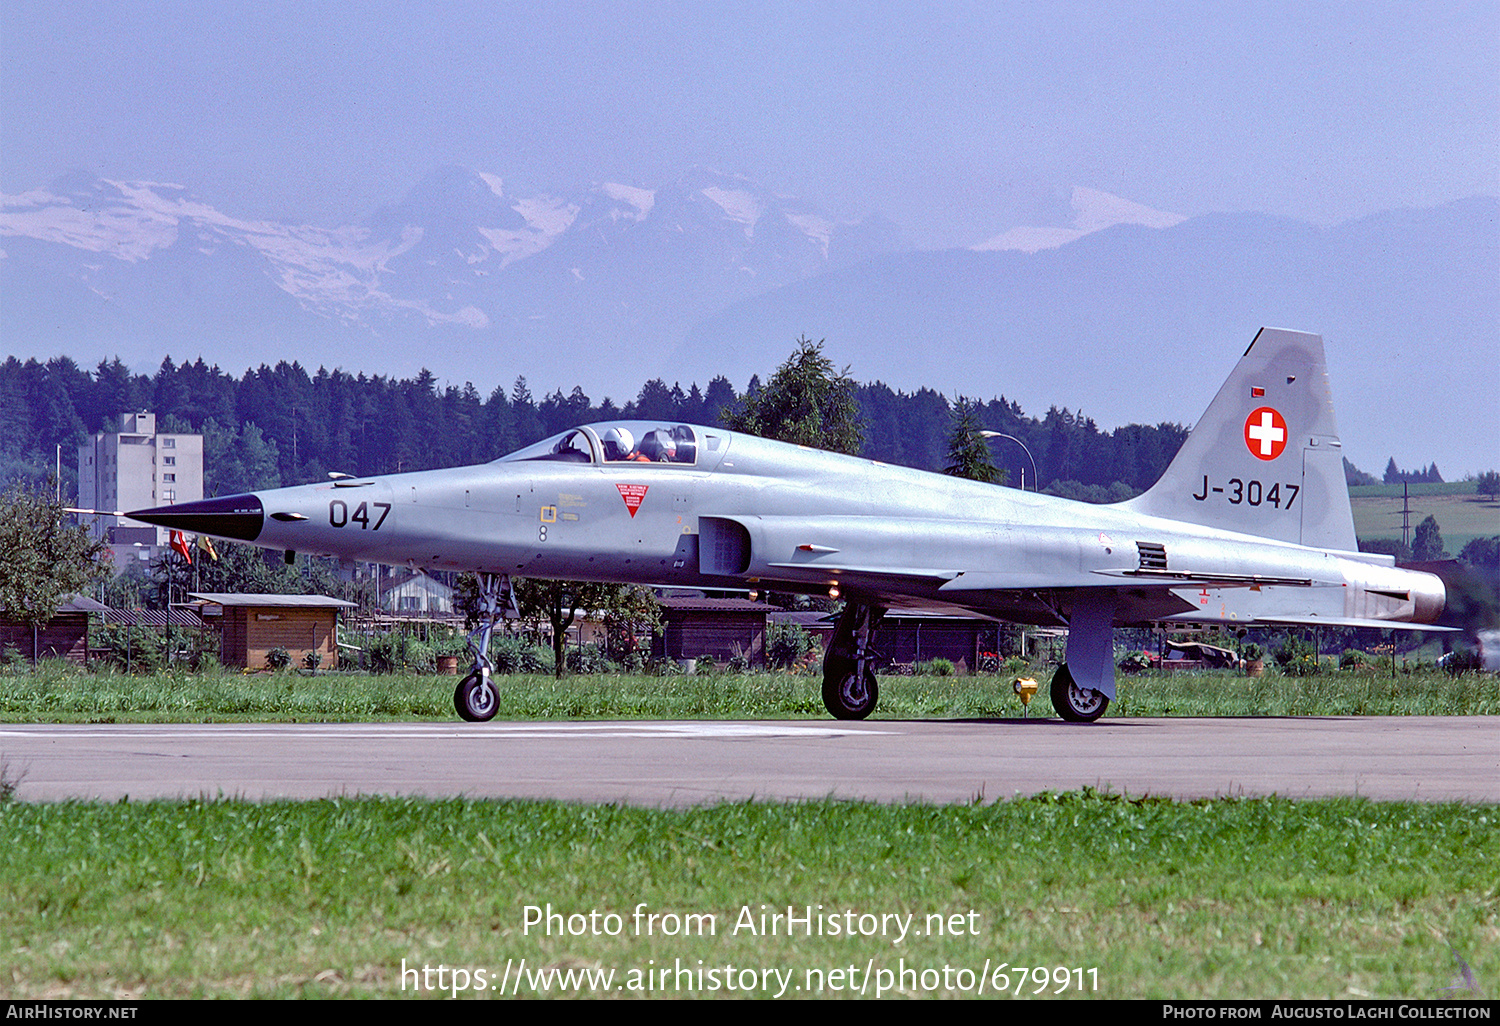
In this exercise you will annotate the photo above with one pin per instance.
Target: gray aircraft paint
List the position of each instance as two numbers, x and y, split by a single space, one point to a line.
1250 524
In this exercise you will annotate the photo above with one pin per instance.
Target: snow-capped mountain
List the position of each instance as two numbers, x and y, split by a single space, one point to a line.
1136 323
1119 308
464 263
1093 211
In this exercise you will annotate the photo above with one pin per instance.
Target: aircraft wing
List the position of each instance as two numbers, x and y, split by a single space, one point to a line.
990 568
1007 581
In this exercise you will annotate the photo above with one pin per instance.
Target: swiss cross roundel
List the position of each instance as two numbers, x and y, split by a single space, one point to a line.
1265 433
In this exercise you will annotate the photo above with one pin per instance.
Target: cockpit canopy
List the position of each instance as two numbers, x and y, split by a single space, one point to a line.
622 441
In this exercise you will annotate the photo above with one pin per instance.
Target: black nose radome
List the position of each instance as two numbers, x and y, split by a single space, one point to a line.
233 516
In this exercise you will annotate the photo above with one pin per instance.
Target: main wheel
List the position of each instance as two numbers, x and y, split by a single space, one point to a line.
1074 703
850 696
475 699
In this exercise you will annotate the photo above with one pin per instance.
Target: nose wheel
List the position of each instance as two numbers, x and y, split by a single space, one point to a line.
853 696
475 698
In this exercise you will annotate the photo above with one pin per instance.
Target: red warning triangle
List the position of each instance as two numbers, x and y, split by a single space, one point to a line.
632 494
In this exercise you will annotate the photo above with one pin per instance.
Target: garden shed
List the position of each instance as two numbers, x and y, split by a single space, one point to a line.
64 636
253 625
909 636
717 629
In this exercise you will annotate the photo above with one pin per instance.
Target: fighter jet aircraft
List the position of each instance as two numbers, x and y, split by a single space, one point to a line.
1250 525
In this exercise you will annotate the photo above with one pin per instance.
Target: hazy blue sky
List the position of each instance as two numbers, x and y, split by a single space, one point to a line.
957 120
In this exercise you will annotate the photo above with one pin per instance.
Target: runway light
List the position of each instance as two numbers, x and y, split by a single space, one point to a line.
1025 687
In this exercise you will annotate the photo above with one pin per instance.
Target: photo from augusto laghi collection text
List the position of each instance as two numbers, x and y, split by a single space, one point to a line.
871 977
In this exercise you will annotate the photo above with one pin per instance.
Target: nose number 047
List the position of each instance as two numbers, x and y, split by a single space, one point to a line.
339 515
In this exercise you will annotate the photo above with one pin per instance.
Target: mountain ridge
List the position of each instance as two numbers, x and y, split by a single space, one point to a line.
709 274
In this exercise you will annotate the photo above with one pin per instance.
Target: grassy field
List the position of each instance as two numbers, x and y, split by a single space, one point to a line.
1415 488
1461 513
1072 895
1050 897
57 693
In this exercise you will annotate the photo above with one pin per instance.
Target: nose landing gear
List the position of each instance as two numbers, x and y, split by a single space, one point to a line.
475 698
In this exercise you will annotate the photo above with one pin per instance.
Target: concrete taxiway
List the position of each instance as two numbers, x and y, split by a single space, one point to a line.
685 763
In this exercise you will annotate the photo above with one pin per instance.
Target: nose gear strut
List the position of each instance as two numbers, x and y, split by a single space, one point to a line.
475 698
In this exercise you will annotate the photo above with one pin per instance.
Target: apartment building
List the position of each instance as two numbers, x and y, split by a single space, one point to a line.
132 469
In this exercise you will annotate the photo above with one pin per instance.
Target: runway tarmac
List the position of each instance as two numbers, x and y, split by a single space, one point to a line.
686 763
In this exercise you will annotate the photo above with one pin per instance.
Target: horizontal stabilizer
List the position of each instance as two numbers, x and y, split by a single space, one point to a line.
1350 621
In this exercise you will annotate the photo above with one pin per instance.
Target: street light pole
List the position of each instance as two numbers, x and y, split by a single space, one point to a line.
1034 476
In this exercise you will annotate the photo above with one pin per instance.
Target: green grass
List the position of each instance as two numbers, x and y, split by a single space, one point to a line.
1461 513
1415 488
1229 898
59 693
1363 692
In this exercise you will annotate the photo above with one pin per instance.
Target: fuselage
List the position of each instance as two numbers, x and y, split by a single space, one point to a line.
726 510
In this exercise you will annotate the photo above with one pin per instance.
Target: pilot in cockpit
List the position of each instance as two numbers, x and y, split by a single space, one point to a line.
619 447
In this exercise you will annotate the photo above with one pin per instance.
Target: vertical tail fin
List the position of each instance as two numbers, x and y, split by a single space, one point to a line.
1265 459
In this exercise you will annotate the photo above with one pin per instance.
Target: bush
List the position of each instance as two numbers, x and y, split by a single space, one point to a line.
589 659
278 658
203 651
511 654
934 668
392 653
1462 660
787 644
132 649
1134 662
1296 657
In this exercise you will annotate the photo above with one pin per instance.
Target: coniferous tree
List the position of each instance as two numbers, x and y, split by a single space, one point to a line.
968 451
1427 543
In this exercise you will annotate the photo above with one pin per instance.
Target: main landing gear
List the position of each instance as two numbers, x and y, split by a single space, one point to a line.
475 698
1074 703
1083 686
849 688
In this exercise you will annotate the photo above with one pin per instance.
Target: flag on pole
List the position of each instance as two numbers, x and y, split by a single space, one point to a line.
207 545
180 545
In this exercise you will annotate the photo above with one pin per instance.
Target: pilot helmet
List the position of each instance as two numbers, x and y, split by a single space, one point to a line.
618 443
